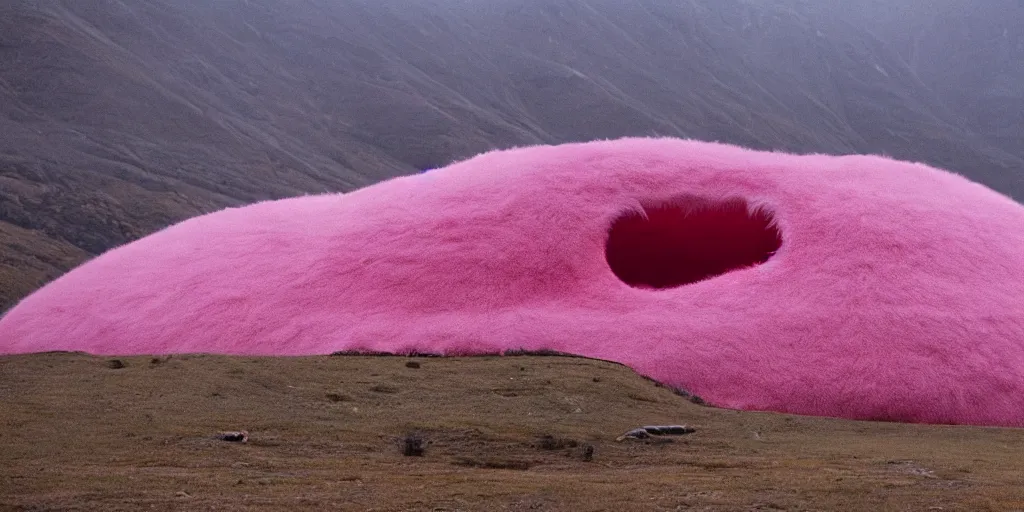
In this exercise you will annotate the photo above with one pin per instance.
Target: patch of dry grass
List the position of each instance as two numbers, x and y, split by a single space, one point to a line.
497 434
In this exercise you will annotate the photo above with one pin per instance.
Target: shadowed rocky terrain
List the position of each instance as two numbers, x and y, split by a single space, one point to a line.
118 118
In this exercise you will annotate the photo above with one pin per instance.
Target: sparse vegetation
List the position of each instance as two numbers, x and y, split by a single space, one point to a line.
493 463
65 449
588 452
537 353
368 353
679 391
338 397
550 442
413 445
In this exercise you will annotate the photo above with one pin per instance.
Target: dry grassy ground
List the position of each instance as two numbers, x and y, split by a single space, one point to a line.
76 433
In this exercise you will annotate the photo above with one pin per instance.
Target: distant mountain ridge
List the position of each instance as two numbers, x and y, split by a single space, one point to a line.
118 118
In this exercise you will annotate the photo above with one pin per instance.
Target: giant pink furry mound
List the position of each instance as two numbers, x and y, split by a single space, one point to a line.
857 286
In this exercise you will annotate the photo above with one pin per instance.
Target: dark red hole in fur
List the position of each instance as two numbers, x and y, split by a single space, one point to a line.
689 240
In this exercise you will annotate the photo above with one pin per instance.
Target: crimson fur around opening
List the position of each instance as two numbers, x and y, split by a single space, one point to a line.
689 239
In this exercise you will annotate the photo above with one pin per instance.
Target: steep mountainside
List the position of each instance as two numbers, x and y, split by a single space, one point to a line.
120 117
969 53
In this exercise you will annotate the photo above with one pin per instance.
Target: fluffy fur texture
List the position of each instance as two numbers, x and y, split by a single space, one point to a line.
896 293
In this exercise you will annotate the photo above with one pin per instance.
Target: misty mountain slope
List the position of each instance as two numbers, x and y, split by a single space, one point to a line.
120 117
28 259
972 55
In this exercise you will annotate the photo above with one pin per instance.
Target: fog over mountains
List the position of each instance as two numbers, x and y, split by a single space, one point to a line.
118 118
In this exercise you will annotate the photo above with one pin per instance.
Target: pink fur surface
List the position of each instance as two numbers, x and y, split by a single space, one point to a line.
896 293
